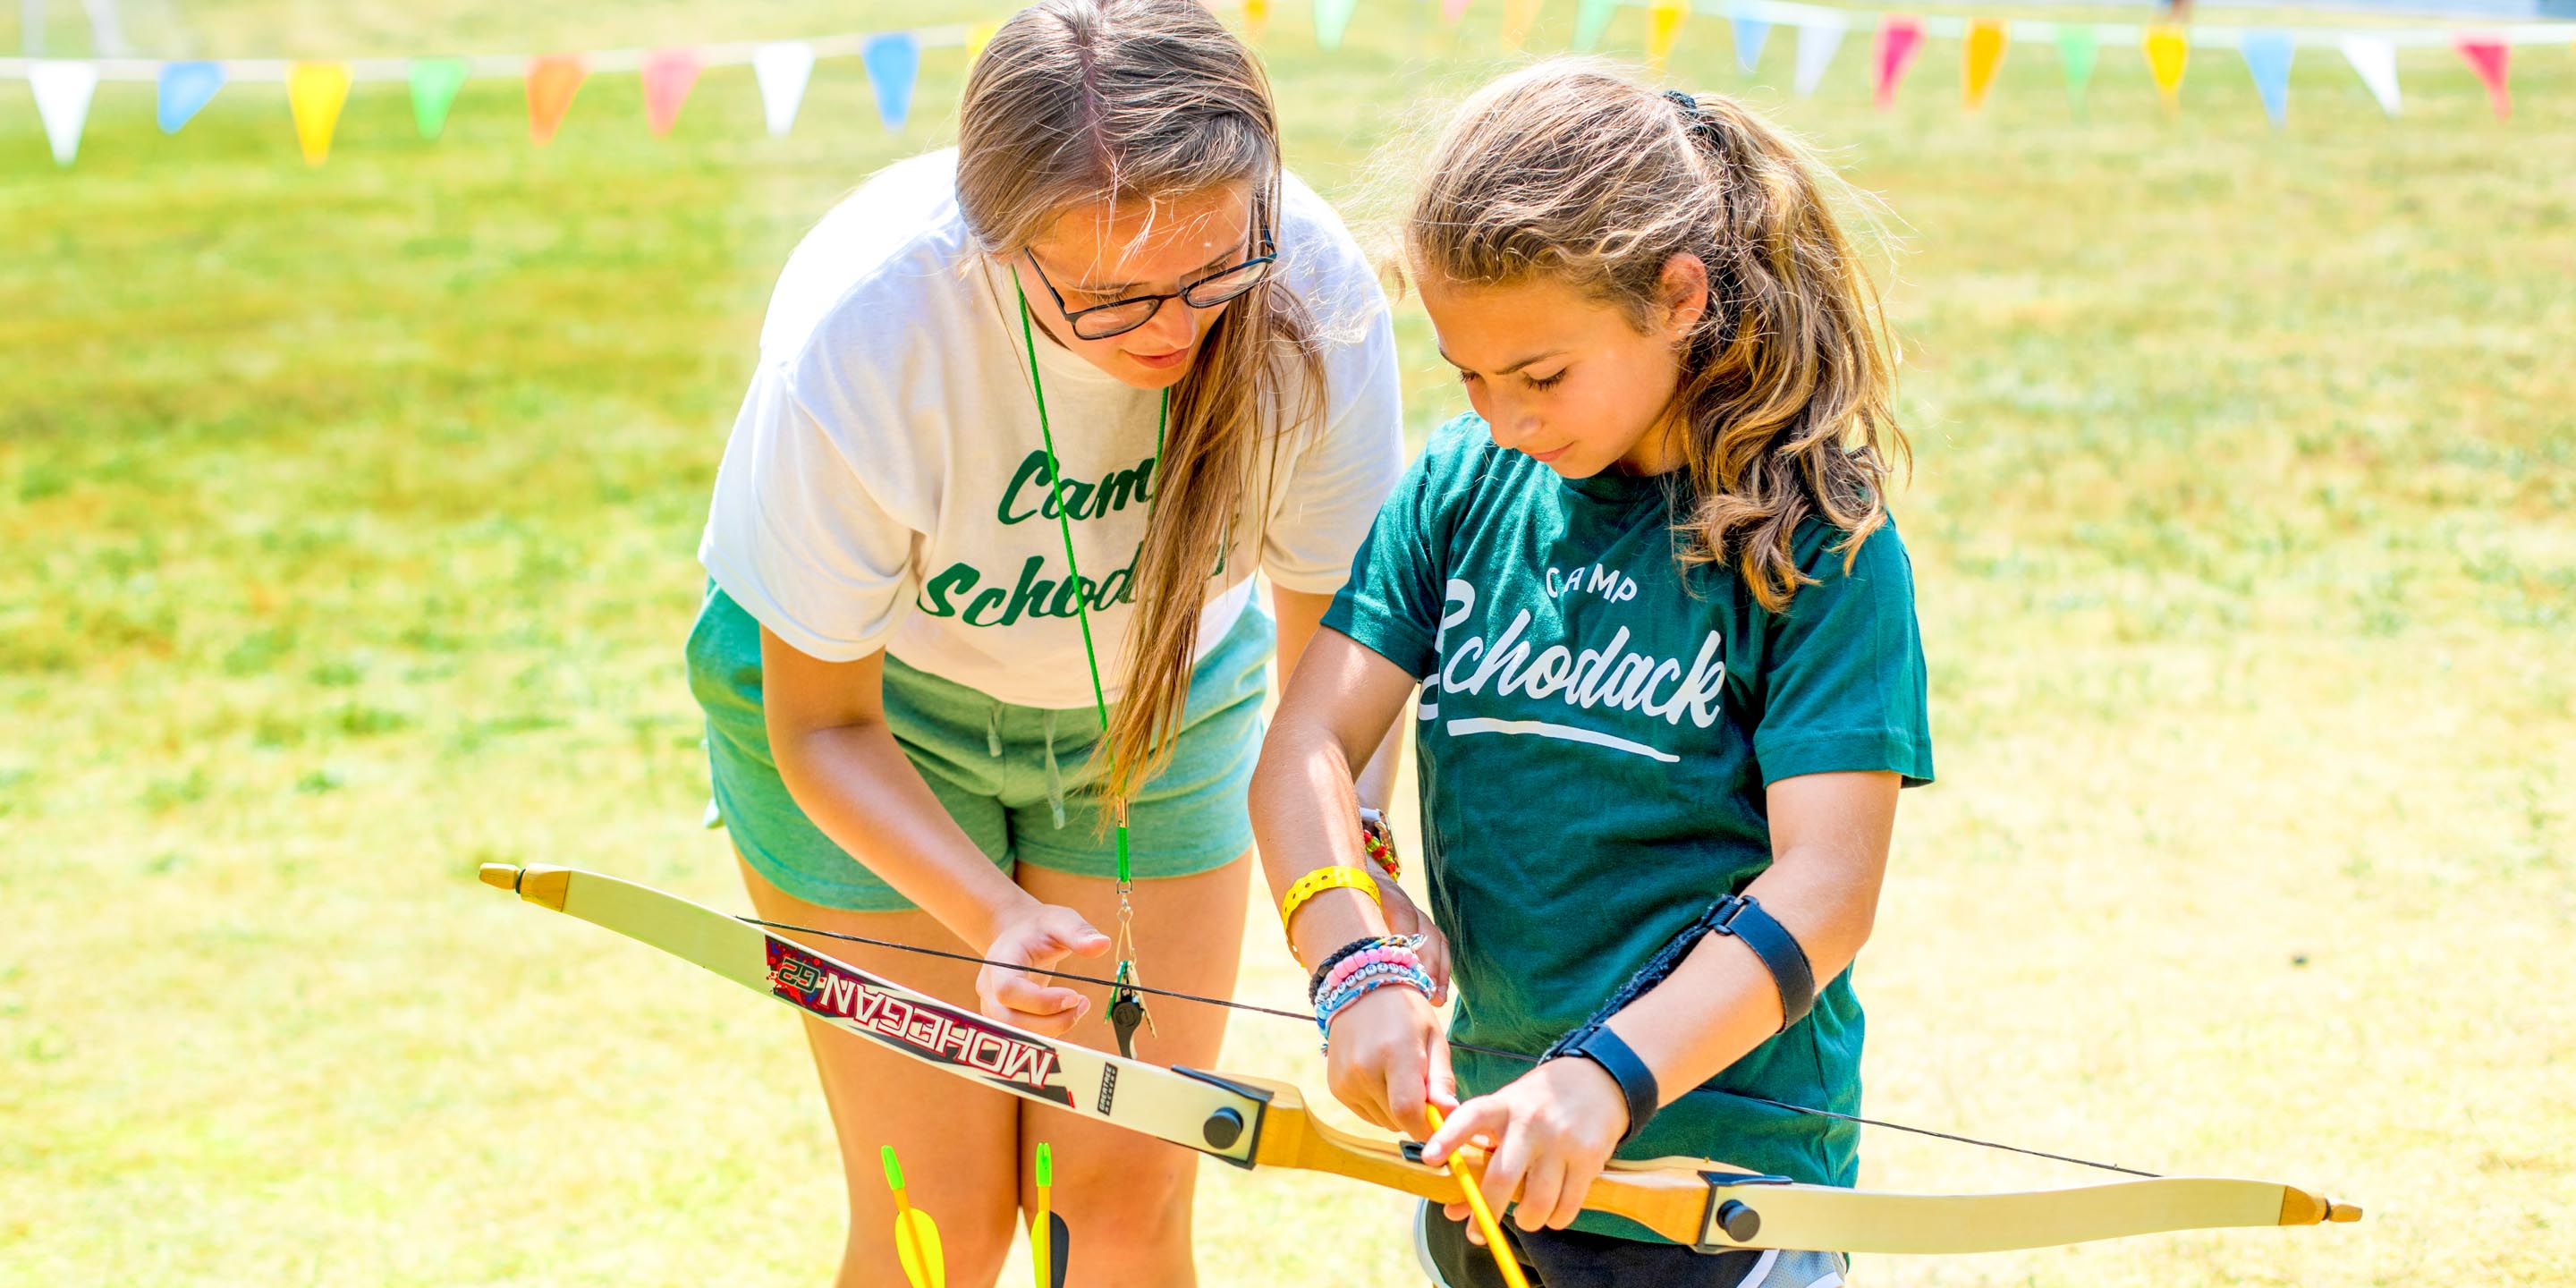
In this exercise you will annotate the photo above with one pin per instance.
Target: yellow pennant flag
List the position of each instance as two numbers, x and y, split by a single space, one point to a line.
978 36
1986 41
2167 50
315 93
1256 19
1663 27
1517 17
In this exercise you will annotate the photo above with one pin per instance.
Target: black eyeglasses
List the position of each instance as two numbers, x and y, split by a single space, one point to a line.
1118 317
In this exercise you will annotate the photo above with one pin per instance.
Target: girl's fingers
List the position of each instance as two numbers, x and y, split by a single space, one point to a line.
1507 1171
1542 1192
1442 1082
1464 1215
1478 1117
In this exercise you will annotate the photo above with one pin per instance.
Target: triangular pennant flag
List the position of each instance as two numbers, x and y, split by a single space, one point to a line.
315 92
978 36
1332 17
186 88
2168 50
1985 52
2267 57
893 62
1256 19
2375 62
1750 34
1451 11
2078 47
1898 37
552 81
63 91
1663 27
1591 18
434 82
669 75
1818 38
2487 56
783 69
1518 17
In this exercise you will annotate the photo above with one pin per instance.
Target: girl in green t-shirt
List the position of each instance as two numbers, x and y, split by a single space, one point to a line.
1664 633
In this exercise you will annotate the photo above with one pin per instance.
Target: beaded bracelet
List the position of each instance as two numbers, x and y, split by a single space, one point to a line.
1315 983
1358 988
1373 957
1377 840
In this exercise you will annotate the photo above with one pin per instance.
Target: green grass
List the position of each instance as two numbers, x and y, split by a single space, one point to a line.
350 516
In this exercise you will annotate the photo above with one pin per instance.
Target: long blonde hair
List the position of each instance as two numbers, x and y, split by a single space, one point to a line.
1568 170
1078 101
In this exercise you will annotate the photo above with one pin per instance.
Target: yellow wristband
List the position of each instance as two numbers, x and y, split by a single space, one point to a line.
1321 880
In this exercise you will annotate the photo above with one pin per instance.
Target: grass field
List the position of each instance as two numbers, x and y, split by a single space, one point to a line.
350 514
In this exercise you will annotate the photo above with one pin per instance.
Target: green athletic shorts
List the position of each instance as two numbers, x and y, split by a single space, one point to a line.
1014 778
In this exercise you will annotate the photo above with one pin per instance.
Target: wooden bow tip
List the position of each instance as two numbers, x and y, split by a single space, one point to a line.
537 884
501 876
2342 1212
2298 1207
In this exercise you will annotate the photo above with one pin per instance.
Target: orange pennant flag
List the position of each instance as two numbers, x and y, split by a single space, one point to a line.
315 92
552 81
1663 27
1986 40
2168 49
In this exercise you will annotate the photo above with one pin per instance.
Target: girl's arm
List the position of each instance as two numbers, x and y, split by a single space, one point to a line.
1387 1055
828 732
1556 1126
1300 615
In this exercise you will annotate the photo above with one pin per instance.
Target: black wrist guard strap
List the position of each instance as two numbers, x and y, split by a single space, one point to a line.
1742 916
1636 1081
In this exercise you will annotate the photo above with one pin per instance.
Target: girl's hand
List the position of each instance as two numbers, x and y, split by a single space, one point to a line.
1405 917
1036 941
1388 1057
1547 1135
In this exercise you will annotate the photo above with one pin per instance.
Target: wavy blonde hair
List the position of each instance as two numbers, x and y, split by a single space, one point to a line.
1075 102
1569 170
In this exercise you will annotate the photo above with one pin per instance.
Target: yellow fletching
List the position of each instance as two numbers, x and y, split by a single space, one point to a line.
916 1240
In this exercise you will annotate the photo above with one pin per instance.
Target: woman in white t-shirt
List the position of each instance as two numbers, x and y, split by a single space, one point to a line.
1029 416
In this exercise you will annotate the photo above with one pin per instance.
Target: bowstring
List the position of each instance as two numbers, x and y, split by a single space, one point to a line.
1127 983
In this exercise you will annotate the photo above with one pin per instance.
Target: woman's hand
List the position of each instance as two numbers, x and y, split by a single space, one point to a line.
1388 1057
1547 1134
1032 942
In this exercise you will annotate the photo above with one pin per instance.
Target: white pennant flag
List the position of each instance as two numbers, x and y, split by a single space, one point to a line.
1818 38
2375 61
782 69
63 92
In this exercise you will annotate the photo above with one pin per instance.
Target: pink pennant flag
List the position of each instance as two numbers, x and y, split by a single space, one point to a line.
2487 56
669 74
1452 10
1899 36
552 81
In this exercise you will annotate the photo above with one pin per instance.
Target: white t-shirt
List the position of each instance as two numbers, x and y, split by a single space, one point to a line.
885 486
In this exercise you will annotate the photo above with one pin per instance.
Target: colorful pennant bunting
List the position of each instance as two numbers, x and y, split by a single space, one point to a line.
1591 18
2375 62
552 81
2267 58
1899 36
2487 57
2079 47
893 63
1984 54
783 70
184 91
434 82
1663 27
315 93
1818 38
1750 35
669 75
2168 50
1332 18
63 92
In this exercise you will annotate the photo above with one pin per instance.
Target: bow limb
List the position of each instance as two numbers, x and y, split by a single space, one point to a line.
1253 1122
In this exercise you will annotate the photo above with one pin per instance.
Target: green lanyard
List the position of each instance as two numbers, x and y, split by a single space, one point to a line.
1126 1005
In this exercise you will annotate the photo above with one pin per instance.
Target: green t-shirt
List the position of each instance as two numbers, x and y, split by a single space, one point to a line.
1596 730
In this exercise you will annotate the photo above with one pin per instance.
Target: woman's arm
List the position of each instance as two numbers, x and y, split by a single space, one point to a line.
828 732
1300 615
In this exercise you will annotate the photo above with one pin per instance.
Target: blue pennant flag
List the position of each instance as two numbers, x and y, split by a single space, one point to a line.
186 88
1749 35
2267 55
892 62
